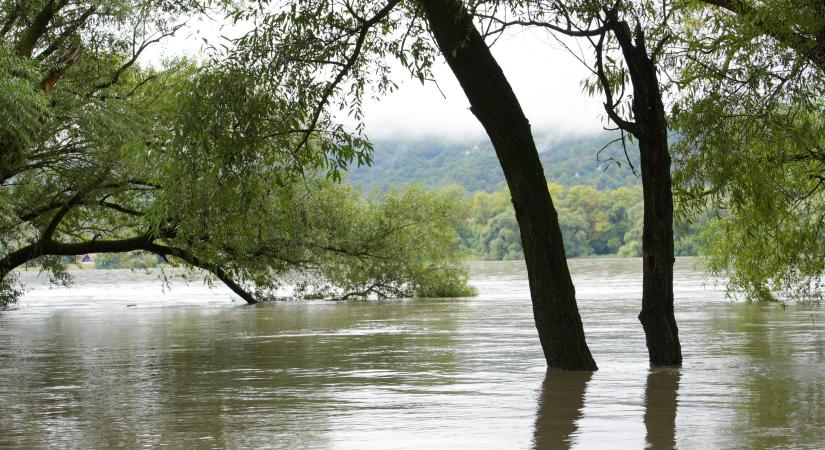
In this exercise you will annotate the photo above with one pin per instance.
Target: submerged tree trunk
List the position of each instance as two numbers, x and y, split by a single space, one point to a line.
658 320
497 108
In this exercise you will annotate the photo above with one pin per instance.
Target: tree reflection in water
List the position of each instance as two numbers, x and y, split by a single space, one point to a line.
562 401
559 408
660 407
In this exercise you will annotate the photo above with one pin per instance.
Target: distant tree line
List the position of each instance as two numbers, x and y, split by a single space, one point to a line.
473 165
593 223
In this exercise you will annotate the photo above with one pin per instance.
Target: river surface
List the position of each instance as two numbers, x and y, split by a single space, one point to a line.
119 360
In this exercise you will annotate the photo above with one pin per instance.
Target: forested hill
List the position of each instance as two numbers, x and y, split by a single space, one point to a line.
474 165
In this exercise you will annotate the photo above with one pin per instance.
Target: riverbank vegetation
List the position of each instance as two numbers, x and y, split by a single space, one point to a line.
593 223
102 155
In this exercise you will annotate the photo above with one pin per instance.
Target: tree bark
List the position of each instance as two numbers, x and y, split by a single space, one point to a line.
497 108
657 317
49 247
28 40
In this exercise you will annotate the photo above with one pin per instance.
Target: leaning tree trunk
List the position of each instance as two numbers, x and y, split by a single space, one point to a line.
658 320
497 108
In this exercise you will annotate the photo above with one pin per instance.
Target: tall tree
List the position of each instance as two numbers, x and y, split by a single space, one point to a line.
495 105
330 54
606 28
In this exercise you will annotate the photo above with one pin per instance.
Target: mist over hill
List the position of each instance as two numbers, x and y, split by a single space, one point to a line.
473 165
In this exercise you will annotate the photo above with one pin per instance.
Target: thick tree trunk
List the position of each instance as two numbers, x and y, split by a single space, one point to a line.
657 316
497 108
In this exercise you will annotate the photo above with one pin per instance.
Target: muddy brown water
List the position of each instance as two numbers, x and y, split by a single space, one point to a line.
188 367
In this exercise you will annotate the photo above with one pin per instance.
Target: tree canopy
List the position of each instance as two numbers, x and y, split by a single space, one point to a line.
751 128
199 164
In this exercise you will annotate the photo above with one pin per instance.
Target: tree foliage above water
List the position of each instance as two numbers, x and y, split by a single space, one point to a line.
201 165
752 140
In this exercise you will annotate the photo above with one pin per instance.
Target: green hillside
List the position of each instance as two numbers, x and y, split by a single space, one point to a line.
474 165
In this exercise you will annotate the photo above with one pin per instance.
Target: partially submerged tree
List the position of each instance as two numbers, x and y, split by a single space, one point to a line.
495 105
198 166
330 54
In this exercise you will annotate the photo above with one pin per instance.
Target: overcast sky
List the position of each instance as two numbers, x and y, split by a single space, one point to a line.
545 77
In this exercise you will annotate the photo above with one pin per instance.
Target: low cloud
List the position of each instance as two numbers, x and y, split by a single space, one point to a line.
545 78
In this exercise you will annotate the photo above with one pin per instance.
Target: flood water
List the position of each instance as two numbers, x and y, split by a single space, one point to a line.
188 367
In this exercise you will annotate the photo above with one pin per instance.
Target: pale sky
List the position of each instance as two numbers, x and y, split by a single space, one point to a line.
546 80
545 77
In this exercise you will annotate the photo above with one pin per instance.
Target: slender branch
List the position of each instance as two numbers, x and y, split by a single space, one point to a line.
135 55
347 67
569 31
120 209
48 232
609 104
220 273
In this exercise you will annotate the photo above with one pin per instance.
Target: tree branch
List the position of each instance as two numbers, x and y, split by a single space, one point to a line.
66 33
135 55
216 270
67 60
347 67
28 41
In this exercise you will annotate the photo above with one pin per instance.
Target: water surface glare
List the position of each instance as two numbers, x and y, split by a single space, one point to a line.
120 361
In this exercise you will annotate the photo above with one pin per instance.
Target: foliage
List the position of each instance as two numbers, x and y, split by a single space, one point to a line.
204 166
474 165
401 244
751 124
128 260
593 222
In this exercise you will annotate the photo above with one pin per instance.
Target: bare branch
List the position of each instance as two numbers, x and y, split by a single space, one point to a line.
135 55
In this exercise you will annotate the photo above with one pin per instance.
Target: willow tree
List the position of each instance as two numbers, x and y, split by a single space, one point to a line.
71 102
750 115
330 54
192 164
